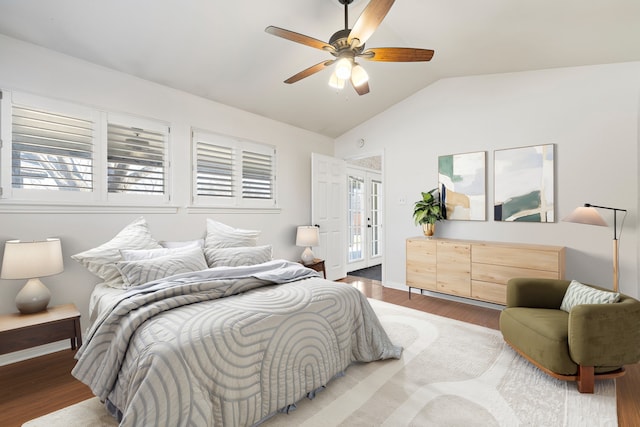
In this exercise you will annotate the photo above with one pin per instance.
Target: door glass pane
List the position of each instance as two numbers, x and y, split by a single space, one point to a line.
376 224
356 214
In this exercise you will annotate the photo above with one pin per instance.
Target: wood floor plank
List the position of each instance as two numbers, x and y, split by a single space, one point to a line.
44 384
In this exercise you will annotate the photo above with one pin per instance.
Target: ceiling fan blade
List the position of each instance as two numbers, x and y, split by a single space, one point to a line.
397 54
369 20
363 89
299 38
309 71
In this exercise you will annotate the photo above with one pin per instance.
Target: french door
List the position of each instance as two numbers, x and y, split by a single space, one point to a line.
364 218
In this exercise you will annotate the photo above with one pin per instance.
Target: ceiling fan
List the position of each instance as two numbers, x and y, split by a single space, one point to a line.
348 44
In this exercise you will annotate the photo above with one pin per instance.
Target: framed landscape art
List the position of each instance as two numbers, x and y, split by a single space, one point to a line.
462 181
524 184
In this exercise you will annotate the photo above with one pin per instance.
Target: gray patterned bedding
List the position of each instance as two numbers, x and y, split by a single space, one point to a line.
227 346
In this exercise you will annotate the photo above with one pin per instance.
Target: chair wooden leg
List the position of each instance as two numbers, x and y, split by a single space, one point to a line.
586 379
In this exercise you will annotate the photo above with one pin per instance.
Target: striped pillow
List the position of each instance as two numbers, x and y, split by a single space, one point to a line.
142 271
577 294
101 261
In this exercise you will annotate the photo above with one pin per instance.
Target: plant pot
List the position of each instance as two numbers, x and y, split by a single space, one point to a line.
428 229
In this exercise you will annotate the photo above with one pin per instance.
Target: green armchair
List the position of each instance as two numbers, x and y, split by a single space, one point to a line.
592 341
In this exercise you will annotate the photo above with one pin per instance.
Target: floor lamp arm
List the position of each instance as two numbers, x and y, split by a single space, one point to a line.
616 273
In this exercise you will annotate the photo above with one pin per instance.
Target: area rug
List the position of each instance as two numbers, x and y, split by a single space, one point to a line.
451 374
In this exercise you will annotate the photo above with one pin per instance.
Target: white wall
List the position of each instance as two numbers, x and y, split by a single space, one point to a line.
32 69
590 113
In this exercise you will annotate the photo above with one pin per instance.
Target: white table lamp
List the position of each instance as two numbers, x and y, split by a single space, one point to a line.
308 235
32 260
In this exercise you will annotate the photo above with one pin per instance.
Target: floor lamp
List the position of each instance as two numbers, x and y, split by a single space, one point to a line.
587 214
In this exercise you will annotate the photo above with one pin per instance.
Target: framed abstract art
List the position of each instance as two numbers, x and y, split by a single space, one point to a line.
524 184
462 181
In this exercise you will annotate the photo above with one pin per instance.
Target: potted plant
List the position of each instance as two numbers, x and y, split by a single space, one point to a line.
428 210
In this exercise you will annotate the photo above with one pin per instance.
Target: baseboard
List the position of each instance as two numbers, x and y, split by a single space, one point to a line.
30 353
403 287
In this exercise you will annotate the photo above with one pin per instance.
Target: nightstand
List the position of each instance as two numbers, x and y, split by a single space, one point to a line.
21 331
317 265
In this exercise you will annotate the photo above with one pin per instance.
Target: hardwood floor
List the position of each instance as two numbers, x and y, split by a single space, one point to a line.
44 384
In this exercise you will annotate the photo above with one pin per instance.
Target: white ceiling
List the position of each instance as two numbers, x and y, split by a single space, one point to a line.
219 50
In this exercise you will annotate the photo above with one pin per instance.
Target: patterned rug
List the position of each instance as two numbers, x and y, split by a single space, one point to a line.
451 374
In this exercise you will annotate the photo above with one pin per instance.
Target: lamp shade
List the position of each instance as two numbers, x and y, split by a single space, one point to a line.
336 82
308 235
343 68
585 215
359 76
26 260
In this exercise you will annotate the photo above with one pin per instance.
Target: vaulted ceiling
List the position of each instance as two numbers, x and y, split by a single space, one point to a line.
220 51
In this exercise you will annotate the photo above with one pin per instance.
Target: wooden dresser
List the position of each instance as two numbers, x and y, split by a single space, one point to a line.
478 269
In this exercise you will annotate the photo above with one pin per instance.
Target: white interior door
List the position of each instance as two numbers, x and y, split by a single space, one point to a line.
328 205
364 218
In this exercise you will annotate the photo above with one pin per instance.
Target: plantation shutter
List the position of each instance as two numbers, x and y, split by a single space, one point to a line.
51 151
214 170
232 172
136 160
257 175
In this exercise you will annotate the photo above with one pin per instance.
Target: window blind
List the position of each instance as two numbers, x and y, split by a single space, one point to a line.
257 175
214 170
51 151
135 160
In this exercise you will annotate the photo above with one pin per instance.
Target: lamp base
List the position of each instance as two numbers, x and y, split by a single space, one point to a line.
307 256
33 297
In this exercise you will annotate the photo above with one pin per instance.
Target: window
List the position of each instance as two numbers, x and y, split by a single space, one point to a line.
136 157
62 152
257 171
356 215
214 170
51 151
232 172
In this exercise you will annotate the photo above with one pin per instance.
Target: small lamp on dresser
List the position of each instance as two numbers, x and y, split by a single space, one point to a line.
308 235
32 260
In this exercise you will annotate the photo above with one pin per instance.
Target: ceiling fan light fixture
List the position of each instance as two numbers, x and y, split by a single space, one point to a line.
348 45
359 75
343 68
335 82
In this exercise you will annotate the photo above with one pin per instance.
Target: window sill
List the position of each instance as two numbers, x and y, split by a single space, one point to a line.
30 207
20 207
232 210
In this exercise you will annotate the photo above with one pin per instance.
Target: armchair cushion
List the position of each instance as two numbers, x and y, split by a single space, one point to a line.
578 294
541 334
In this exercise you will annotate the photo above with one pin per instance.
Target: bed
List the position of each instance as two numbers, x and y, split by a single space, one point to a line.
228 345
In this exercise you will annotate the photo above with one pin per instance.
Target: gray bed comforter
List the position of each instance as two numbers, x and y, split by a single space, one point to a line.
226 346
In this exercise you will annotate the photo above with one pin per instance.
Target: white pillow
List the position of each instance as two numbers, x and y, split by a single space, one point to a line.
142 271
101 260
220 235
577 294
234 257
140 254
172 245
